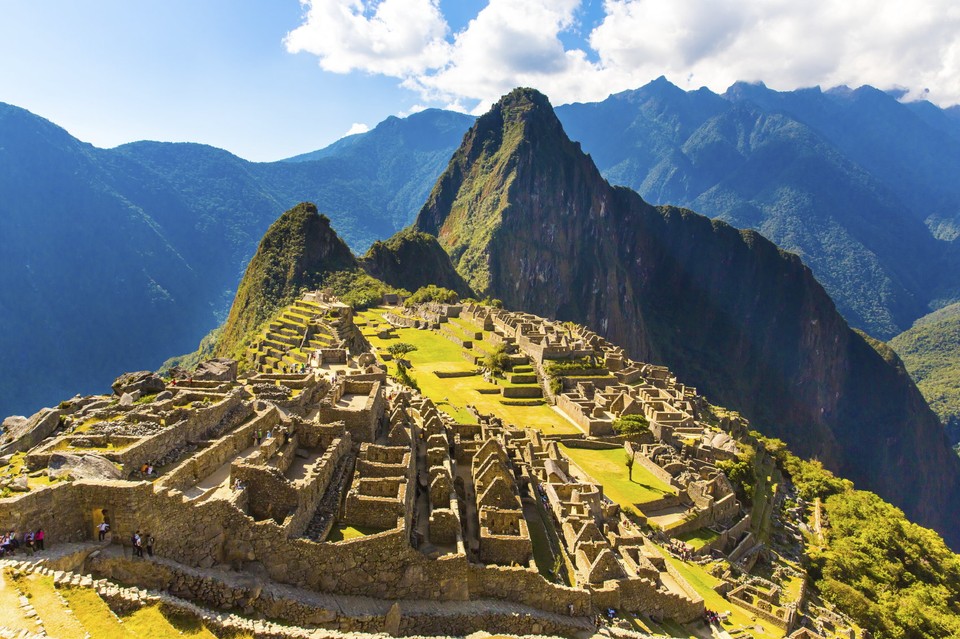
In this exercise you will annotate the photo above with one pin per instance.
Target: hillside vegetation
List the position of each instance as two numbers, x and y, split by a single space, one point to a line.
892 576
527 218
931 352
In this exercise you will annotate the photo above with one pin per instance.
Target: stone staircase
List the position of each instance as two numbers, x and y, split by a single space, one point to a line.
523 386
288 340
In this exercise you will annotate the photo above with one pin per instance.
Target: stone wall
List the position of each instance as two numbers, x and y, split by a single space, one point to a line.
527 587
521 391
202 464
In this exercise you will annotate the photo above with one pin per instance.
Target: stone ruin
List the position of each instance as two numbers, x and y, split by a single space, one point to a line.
334 481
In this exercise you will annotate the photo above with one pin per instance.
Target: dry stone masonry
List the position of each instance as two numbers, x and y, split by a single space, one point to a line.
309 475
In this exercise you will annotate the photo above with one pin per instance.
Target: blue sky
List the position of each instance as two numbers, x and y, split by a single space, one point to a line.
268 79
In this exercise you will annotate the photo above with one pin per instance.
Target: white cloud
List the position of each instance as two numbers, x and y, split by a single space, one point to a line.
390 37
355 128
785 43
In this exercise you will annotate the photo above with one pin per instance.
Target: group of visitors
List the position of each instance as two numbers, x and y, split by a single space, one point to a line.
713 617
292 369
29 542
260 436
147 470
140 542
238 485
680 550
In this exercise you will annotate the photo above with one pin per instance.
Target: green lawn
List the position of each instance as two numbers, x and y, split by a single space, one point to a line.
704 583
697 539
606 467
437 353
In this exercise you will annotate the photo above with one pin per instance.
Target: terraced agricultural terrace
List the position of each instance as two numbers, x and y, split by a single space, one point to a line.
473 479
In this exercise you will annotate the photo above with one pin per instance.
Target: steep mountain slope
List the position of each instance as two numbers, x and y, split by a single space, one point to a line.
295 254
527 217
411 259
116 259
804 169
83 267
930 350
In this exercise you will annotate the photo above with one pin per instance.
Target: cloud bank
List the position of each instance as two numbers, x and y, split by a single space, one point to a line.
786 44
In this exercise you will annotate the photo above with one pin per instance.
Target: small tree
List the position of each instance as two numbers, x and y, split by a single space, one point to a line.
631 425
629 459
498 360
400 349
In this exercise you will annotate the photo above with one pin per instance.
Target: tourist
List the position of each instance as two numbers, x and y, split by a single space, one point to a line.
102 530
28 542
39 537
137 544
150 542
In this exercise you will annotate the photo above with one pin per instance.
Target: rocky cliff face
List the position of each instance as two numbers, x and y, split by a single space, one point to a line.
297 252
526 217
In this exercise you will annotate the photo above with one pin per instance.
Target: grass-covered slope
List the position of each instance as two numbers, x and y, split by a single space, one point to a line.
298 251
527 218
931 352
412 259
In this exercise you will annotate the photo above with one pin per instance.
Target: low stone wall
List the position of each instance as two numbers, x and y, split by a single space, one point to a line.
590 444
521 391
655 469
511 583
197 424
454 337
454 374
250 596
784 622
196 467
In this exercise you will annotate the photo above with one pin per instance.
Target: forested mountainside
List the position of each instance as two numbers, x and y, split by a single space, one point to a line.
116 259
526 217
930 350
122 257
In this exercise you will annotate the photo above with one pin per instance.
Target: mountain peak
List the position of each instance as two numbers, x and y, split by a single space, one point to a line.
297 252
499 160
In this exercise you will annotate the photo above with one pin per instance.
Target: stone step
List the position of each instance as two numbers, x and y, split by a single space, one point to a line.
52 610
93 612
15 617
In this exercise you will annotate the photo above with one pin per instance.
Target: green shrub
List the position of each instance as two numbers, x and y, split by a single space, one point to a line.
432 293
631 425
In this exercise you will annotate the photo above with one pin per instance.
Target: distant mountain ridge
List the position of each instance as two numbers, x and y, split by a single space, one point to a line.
754 157
526 217
116 259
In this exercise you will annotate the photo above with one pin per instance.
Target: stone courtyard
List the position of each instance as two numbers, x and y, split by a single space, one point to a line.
308 486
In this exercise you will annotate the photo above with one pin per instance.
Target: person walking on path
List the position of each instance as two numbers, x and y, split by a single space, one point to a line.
137 544
150 541
39 537
102 530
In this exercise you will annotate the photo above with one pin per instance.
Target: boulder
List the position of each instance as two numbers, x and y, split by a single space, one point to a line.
21 434
219 369
164 396
19 484
127 399
145 382
82 467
